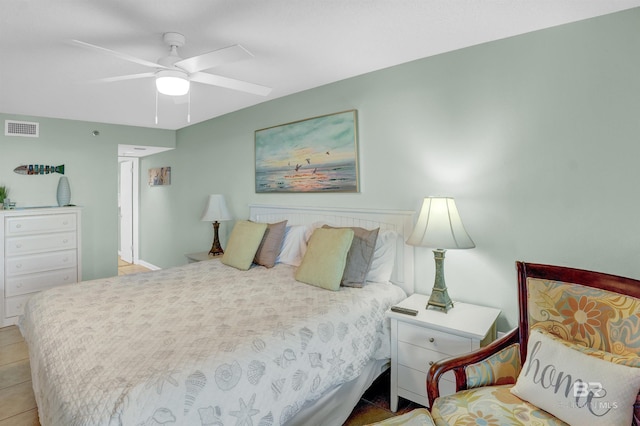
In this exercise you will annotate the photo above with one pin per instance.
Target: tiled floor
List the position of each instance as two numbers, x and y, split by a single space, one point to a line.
374 404
18 405
125 268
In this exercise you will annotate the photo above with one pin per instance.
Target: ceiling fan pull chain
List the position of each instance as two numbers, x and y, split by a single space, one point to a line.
189 108
156 107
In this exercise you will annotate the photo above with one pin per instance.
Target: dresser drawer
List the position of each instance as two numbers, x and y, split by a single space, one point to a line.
416 381
433 340
30 283
19 265
14 306
38 224
40 243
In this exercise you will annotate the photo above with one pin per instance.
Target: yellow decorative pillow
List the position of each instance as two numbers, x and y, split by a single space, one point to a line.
243 244
326 256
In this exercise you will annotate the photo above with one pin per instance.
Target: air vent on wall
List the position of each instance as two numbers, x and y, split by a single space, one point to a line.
21 128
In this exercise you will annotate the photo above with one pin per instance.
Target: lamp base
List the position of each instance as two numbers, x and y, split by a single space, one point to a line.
216 248
439 298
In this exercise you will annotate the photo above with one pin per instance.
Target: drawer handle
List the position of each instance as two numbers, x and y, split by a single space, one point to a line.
18 226
18 245
65 259
430 362
19 286
19 265
65 241
431 340
66 222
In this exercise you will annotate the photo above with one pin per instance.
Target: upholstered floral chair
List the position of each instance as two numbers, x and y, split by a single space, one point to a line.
573 359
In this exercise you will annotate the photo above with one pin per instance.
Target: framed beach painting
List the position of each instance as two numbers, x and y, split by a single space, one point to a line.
318 154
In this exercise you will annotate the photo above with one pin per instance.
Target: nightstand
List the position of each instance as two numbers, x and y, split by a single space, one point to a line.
200 256
419 341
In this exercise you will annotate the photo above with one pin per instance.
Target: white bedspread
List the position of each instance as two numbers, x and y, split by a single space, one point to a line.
202 344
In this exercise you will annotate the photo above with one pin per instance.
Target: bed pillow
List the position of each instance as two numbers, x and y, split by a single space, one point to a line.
293 245
271 243
359 257
575 387
384 257
243 244
325 258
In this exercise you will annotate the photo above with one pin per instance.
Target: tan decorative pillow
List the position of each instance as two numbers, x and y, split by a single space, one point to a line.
326 256
271 244
243 244
359 257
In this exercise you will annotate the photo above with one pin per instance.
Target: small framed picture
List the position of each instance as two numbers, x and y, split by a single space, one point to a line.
160 176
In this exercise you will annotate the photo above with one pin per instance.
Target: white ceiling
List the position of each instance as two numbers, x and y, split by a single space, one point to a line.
297 45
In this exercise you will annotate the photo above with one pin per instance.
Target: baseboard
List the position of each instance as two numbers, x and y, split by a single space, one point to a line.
147 265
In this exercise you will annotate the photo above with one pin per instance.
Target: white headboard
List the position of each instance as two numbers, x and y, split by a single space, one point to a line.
394 220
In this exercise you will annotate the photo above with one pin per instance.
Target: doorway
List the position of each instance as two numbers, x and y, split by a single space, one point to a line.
128 199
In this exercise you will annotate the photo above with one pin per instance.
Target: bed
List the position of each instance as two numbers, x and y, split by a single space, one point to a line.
210 344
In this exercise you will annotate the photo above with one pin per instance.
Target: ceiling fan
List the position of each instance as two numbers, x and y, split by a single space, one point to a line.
173 74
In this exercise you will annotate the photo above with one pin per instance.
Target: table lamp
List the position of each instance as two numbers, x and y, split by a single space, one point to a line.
439 226
215 211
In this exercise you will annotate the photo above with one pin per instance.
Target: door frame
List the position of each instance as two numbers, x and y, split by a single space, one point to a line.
135 206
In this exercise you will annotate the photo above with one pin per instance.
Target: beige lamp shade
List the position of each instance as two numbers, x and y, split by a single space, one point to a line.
216 209
439 226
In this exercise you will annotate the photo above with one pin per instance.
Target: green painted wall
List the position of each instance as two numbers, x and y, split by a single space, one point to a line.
537 137
91 164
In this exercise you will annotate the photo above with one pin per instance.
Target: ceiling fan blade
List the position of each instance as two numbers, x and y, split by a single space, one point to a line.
120 55
213 59
230 83
124 77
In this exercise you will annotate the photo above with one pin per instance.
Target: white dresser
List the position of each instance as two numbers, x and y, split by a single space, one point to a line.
419 341
40 249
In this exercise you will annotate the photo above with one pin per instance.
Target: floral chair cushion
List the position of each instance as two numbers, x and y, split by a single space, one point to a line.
501 368
490 406
630 360
590 317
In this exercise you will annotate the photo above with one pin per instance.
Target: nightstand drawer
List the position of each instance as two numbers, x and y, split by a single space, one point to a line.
416 357
416 381
433 340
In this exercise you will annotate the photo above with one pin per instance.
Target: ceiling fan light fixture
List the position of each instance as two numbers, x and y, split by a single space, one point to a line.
172 83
